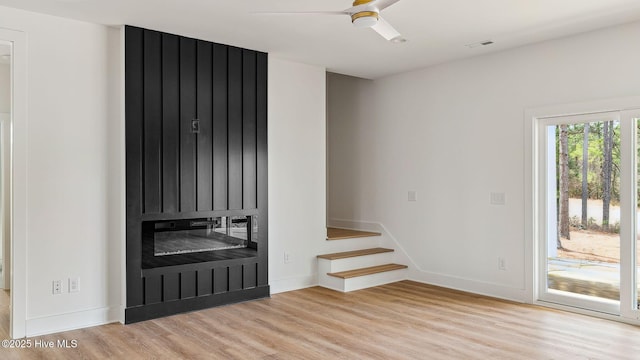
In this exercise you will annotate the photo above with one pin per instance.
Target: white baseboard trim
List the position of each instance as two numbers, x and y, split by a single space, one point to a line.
419 275
292 283
72 321
470 286
355 225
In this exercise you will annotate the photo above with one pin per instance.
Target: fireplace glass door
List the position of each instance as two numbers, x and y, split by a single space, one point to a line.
194 240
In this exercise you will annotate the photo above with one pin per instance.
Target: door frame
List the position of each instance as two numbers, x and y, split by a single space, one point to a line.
543 157
18 315
532 123
629 183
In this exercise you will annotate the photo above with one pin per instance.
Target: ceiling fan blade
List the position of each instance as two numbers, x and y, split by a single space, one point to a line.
383 4
301 13
385 29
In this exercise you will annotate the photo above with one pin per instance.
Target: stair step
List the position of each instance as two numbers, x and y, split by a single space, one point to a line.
355 253
367 271
341 234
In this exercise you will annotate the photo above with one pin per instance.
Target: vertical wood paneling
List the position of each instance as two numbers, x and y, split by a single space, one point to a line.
220 280
152 129
188 85
170 123
235 129
249 275
249 93
204 138
170 81
153 289
235 277
188 284
204 282
261 143
220 87
171 286
134 90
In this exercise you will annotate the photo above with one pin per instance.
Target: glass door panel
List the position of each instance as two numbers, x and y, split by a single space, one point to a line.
580 167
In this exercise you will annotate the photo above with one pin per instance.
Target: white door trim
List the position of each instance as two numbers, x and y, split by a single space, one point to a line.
19 189
532 211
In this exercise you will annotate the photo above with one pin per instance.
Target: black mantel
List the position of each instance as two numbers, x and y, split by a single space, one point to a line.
174 172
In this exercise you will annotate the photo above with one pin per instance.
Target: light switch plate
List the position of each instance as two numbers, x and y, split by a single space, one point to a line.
498 198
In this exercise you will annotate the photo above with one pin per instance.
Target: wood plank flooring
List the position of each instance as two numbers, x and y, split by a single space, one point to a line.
404 320
342 234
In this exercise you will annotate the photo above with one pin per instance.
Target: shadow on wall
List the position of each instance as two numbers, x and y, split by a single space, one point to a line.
347 98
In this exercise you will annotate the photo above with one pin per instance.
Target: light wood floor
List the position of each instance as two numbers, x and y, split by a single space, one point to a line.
405 320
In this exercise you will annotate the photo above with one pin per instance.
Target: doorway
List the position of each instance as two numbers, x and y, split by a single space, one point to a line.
586 185
581 259
5 217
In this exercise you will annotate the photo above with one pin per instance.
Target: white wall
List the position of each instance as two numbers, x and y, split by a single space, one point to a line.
75 185
297 168
454 133
74 170
5 94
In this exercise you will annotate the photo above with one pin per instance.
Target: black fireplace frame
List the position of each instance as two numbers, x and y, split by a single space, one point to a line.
174 172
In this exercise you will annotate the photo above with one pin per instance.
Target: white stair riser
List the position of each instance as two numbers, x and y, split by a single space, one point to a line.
361 282
330 282
367 281
358 262
333 246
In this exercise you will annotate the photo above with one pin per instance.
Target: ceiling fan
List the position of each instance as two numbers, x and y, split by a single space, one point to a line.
364 13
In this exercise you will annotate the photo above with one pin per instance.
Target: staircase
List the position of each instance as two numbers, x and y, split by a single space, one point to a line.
367 266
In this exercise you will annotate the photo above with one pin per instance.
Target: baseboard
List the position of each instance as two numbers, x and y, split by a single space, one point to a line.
355 225
72 321
419 275
470 286
293 283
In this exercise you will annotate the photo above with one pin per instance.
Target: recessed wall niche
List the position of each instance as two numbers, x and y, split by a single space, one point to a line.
196 174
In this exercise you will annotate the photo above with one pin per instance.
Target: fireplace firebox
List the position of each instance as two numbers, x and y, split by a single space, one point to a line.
186 241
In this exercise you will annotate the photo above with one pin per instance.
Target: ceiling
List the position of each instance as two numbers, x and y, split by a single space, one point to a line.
437 30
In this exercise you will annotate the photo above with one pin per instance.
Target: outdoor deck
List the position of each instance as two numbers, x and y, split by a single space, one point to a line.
585 277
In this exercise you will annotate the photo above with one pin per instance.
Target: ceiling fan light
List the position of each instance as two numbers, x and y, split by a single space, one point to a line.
364 19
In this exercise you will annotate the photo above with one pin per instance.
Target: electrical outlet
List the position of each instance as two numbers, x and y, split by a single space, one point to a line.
57 287
74 285
502 264
287 258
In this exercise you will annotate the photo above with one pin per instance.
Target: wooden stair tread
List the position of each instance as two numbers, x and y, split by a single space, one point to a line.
355 253
341 234
367 271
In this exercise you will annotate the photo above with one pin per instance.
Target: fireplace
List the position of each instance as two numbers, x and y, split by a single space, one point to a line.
187 241
196 174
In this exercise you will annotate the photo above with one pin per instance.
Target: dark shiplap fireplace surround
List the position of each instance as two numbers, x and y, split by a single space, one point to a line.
196 174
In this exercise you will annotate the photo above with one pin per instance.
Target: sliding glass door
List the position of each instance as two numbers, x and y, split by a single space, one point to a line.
588 188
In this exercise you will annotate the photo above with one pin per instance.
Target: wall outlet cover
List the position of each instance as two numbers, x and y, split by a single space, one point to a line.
57 287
